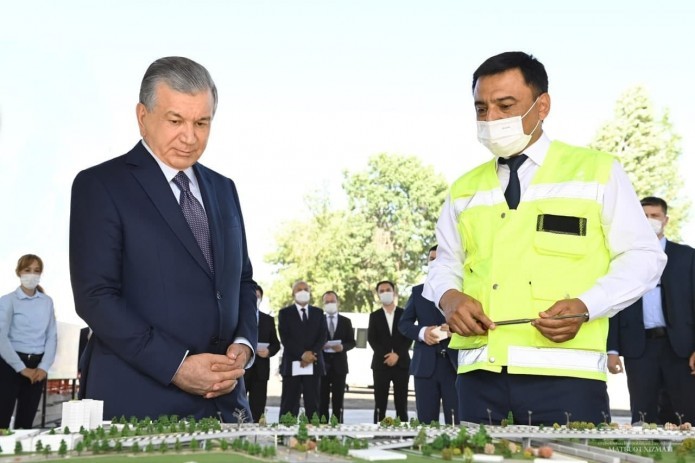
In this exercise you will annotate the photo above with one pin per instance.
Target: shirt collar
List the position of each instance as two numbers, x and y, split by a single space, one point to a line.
538 150
168 171
22 295
663 243
300 307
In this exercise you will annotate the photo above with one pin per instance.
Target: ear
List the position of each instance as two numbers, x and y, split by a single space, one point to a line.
666 221
141 113
543 106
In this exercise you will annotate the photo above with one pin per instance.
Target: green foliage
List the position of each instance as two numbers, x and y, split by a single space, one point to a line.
46 451
393 206
79 448
649 149
195 445
135 448
414 422
224 444
302 433
315 420
18 448
334 421
163 447
39 446
441 441
427 450
480 438
63 448
288 419
447 454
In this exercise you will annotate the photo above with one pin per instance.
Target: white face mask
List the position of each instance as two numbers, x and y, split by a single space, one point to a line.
330 308
657 225
505 137
386 298
30 280
302 297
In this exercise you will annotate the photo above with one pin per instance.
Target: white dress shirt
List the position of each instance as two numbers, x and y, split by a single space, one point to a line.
636 263
389 318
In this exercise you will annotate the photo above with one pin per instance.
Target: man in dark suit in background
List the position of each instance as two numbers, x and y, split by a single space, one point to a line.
656 334
257 376
341 338
303 333
433 365
391 357
159 266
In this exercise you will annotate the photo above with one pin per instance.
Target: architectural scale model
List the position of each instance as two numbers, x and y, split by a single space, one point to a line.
389 440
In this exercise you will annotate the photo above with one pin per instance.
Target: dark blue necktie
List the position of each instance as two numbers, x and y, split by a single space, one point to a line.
304 317
195 216
513 191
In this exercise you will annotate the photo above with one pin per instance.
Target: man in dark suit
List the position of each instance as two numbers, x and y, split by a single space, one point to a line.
341 338
656 334
433 365
391 357
159 266
257 376
303 333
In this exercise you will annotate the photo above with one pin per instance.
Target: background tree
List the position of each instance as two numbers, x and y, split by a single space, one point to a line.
392 209
649 149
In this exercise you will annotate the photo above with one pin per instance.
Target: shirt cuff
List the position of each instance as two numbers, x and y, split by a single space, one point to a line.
613 352
421 334
246 342
177 370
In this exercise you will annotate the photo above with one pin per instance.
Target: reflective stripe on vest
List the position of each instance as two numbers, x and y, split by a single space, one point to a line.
549 358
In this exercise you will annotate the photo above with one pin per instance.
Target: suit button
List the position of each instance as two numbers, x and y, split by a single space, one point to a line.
492 359
219 295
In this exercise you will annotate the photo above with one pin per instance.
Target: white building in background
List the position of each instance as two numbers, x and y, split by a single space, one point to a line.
85 413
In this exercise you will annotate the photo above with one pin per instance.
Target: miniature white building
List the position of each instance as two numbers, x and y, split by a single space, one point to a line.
85 413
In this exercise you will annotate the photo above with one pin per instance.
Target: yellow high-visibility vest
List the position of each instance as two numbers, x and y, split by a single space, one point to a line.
520 262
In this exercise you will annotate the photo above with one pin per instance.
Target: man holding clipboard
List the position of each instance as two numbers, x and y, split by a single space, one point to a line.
341 338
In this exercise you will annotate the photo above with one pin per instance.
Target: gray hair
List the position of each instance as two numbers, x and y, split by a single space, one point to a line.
181 74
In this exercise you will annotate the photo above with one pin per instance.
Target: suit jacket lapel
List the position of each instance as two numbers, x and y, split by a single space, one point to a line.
147 172
212 209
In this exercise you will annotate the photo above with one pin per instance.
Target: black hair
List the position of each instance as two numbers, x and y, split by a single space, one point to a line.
433 248
654 201
390 283
532 69
259 289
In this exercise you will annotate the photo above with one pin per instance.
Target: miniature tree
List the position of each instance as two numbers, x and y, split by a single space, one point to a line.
135 448
208 444
79 448
323 419
104 446
224 445
263 421
421 439
414 422
66 431
315 420
163 447
177 445
95 448
118 447
302 432
195 445
149 448
18 448
52 432
397 422
480 438
334 421
63 449
303 418
39 446
240 415
46 451
510 418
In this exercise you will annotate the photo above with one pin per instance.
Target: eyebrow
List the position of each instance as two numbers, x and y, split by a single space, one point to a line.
175 114
497 100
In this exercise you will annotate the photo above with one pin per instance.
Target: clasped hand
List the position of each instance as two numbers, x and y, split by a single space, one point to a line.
212 375
465 316
35 375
